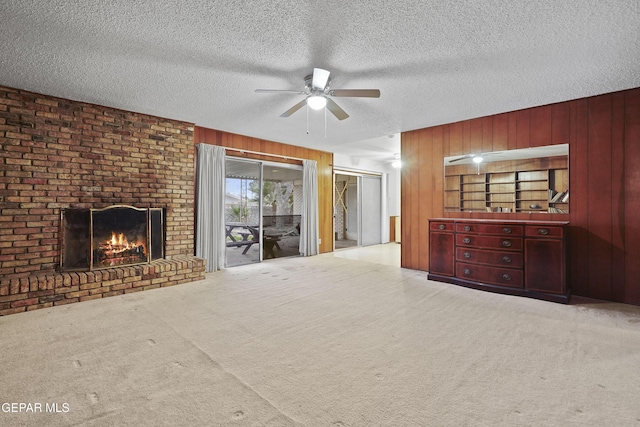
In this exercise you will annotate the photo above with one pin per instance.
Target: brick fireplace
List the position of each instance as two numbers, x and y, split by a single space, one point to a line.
57 156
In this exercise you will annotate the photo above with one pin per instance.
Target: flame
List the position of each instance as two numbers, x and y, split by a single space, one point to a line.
116 249
118 243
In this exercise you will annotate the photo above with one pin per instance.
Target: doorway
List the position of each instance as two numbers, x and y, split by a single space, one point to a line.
263 205
357 209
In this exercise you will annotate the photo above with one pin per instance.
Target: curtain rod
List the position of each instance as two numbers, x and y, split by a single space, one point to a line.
241 150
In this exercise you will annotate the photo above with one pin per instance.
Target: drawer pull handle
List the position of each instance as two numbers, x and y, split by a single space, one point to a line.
442 227
466 240
506 259
467 255
506 230
543 231
467 271
467 228
506 276
506 243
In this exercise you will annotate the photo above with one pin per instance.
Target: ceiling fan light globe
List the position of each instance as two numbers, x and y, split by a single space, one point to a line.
317 102
477 159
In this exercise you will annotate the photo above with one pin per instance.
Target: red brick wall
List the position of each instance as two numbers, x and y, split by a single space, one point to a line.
56 153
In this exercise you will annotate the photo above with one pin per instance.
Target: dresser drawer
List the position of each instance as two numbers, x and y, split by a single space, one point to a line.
441 226
544 231
500 229
489 242
492 258
512 278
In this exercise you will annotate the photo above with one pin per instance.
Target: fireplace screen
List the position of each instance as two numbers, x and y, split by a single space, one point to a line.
119 236
111 237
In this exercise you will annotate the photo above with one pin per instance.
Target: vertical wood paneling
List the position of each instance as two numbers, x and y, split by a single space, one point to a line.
604 179
487 134
500 132
599 202
466 137
445 141
414 213
426 194
523 129
437 171
540 124
617 200
560 123
578 207
406 196
476 135
512 142
632 196
455 139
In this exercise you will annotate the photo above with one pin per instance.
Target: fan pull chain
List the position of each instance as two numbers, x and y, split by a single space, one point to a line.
307 119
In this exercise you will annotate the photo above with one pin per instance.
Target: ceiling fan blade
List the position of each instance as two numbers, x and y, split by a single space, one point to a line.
336 110
362 93
299 92
293 109
460 158
320 78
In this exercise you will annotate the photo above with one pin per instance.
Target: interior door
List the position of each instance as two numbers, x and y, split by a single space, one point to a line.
370 210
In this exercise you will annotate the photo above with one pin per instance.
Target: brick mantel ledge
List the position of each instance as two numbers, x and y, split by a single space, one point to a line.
48 290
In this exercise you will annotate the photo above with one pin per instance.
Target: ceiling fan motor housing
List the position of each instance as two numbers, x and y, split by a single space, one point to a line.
308 86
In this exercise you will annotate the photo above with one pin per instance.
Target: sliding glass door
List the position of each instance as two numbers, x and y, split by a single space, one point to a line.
263 204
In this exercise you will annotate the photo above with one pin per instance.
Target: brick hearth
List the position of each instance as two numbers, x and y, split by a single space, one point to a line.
49 289
56 154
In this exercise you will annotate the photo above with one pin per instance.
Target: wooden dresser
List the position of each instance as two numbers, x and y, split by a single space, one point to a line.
526 258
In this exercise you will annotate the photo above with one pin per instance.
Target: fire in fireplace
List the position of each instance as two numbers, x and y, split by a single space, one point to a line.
111 237
117 249
119 236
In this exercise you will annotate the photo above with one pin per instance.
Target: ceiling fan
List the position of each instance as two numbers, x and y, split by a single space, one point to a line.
317 93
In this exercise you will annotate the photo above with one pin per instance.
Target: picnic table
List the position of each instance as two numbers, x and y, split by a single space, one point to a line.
248 231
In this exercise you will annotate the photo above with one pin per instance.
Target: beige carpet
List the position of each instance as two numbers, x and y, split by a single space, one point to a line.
322 341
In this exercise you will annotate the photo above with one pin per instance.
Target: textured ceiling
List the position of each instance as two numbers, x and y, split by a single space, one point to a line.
434 61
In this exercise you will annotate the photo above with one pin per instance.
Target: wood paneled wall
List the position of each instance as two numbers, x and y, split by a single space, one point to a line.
324 164
603 133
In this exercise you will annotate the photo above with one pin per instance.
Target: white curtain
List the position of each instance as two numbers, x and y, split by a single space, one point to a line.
210 190
309 221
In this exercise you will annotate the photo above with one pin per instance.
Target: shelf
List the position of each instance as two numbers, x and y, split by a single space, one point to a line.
512 190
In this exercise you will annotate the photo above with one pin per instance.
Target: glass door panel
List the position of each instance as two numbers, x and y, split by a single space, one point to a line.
370 212
242 212
281 209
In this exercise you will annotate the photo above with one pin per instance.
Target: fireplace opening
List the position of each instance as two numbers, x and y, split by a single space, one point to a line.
119 236
111 237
